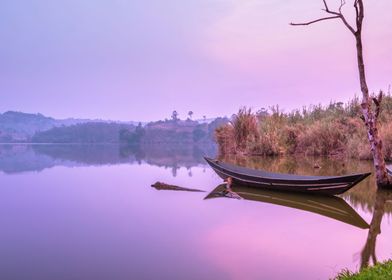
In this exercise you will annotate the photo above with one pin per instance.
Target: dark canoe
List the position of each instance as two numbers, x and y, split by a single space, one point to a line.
328 206
330 185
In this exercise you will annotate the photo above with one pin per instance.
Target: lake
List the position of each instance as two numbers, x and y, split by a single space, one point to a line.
89 212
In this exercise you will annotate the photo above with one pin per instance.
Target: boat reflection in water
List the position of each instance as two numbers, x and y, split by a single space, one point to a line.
329 206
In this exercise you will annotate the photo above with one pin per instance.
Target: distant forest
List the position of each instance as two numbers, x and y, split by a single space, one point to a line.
82 133
171 132
16 127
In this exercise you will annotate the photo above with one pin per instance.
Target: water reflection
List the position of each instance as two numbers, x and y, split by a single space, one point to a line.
332 207
327 206
320 166
369 250
365 195
110 215
362 196
23 158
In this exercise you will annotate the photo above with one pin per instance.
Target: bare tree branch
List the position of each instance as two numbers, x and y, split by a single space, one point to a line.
326 6
336 15
356 9
348 25
328 10
342 3
359 7
314 21
332 12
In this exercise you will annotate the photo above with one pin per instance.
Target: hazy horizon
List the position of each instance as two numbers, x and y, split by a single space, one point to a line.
184 115
140 60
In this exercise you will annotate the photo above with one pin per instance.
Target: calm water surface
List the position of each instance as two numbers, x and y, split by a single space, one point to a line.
89 212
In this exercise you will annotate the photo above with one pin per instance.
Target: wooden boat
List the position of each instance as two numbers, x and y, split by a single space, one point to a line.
330 185
329 206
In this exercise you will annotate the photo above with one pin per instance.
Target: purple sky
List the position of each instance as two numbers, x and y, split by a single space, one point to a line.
140 60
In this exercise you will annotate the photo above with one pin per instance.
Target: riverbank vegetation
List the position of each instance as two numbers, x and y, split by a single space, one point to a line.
381 271
333 130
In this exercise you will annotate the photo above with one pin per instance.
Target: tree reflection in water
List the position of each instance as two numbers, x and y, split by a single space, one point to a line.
369 250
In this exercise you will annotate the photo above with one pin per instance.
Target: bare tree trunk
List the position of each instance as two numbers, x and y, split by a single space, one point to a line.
369 115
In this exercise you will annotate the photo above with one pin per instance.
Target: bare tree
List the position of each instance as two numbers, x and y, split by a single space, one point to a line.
370 104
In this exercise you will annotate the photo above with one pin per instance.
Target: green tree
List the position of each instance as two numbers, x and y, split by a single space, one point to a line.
174 116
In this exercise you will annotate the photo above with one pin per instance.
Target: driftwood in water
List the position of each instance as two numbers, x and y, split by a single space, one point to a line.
162 186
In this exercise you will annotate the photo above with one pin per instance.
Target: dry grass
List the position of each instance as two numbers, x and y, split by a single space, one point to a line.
224 136
240 134
333 130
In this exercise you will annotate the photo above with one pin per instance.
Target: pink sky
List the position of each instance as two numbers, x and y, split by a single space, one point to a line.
132 60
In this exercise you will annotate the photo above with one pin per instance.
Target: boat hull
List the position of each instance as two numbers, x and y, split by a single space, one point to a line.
328 185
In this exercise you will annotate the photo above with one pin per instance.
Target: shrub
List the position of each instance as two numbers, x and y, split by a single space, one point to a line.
335 129
386 135
224 136
245 129
381 271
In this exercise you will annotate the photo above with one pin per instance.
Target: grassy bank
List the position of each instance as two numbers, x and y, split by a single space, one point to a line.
381 271
333 130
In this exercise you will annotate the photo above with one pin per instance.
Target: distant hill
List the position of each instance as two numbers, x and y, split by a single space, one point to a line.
20 127
16 126
90 133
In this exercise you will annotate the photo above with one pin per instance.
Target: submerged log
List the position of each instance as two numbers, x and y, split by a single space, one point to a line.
163 186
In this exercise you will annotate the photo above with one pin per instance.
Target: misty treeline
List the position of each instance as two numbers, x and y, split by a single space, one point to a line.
81 133
171 132
333 130
19 127
160 132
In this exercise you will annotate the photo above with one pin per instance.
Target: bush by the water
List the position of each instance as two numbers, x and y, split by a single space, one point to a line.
333 130
381 271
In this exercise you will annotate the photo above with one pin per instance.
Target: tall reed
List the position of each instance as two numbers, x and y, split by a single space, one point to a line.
332 130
